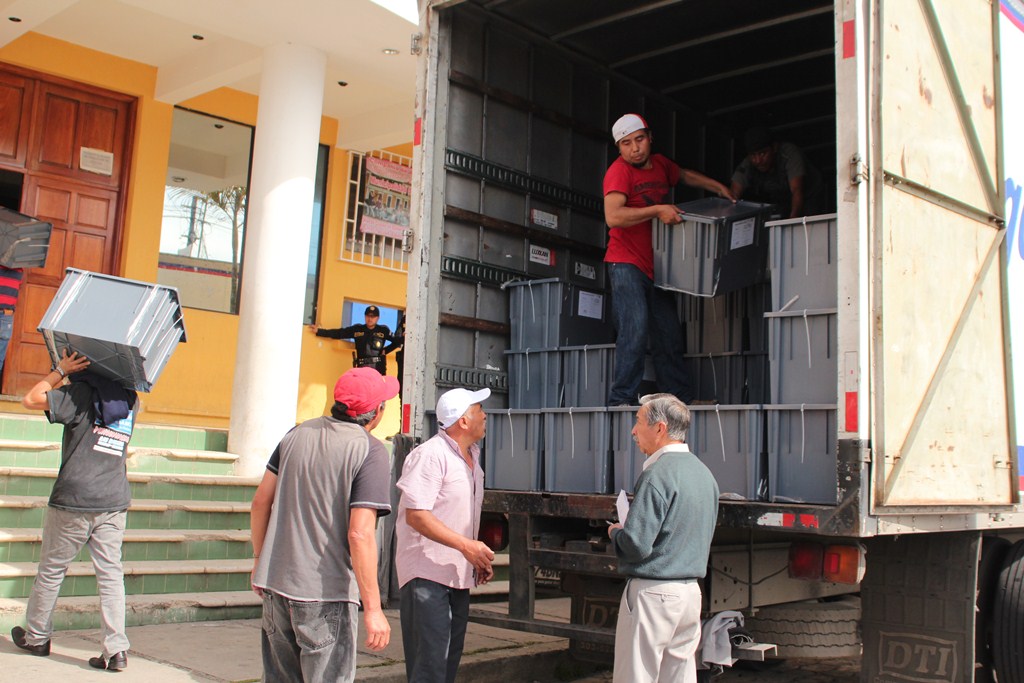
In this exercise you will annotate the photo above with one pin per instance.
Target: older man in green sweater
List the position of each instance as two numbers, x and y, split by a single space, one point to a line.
663 546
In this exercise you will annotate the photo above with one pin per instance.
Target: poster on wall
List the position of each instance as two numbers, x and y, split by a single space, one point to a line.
1011 37
384 209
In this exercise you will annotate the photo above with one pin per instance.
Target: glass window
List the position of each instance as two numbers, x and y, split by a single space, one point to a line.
316 235
205 199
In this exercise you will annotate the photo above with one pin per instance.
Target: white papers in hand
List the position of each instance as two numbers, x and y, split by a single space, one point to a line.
622 506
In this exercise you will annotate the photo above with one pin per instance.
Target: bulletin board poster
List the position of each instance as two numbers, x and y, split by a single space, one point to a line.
1011 38
384 209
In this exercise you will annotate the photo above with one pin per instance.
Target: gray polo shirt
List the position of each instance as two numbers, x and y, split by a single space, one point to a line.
324 467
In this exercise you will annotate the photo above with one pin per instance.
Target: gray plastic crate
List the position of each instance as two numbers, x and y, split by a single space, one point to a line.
803 262
535 379
24 240
719 247
802 453
728 439
717 377
802 356
551 313
576 450
627 460
127 329
514 443
587 374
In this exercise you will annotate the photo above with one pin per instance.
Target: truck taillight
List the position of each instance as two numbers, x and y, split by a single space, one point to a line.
494 531
843 564
805 561
834 563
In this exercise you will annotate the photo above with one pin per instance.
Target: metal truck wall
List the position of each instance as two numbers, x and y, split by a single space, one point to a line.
941 413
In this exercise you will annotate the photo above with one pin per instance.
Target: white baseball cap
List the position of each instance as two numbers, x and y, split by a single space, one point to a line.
630 123
453 404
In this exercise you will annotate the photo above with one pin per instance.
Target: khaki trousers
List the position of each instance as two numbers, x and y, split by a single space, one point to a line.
657 632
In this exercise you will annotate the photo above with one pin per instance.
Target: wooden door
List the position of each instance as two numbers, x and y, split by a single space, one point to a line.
84 236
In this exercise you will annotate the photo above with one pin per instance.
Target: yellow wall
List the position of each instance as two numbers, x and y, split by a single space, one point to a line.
195 387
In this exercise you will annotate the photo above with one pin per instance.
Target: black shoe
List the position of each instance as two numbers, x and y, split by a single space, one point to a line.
18 636
116 663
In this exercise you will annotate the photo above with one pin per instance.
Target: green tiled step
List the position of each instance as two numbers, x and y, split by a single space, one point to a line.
23 545
21 453
37 481
183 576
83 612
36 427
26 512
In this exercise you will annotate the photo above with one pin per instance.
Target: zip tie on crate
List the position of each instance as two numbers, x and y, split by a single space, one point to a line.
721 434
807 330
803 433
807 248
789 303
714 375
526 360
586 369
572 436
511 434
533 304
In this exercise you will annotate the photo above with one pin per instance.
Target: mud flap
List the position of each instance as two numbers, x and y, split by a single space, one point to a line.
918 600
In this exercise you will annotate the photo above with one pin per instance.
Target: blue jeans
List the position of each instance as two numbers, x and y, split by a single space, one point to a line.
6 331
308 641
645 314
434 620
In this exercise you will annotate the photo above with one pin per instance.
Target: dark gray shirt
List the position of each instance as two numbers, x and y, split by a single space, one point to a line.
93 476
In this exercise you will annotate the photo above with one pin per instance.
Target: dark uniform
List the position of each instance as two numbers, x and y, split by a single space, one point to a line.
369 344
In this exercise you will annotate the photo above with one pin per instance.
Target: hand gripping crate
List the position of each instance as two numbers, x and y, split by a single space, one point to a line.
719 247
802 444
127 329
514 442
550 313
576 450
802 352
803 262
728 440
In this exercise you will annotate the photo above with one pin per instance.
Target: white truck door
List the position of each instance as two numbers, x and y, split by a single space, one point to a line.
941 424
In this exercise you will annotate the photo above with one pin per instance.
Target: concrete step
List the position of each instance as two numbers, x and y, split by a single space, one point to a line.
23 545
27 512
27 453
167 608
38 481
182 576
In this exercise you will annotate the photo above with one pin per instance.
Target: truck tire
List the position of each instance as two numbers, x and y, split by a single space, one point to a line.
1008 618
993 551
811 629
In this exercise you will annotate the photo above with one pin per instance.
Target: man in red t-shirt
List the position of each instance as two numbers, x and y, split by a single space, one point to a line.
637 187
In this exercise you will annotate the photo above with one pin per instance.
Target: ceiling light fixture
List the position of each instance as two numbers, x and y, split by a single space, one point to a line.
342 83
16 20
218 126
178 179
390 51
196 36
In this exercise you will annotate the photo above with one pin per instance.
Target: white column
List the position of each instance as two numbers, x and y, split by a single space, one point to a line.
265 389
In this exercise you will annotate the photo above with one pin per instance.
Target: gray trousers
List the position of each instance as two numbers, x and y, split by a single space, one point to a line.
64 534
434 621
308 641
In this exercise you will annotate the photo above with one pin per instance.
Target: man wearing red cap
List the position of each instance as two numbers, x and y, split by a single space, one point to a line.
313 520
636 188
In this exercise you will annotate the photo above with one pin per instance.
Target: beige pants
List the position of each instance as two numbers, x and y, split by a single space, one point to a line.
657 632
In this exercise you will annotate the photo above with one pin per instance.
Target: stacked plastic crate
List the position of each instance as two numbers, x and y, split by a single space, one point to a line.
803 364
554 436
716 259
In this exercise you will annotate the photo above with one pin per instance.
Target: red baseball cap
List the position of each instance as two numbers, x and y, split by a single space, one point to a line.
363 389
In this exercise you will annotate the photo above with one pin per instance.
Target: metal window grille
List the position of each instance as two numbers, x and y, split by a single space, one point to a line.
376 229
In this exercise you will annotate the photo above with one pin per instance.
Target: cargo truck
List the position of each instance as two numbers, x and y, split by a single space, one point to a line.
886 518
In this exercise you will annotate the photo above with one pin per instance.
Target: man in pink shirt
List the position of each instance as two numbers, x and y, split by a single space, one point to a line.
637 187
438 557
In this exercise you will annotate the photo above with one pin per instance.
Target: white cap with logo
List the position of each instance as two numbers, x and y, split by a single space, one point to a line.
453 404
630 123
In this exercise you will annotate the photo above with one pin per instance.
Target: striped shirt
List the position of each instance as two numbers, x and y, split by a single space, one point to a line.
10 283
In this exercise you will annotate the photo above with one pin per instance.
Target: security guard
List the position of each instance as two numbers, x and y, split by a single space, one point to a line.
370 340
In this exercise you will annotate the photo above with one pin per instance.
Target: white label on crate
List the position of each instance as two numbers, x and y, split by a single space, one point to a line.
96 161
542 255
544 219
742 233
591 305
586 270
